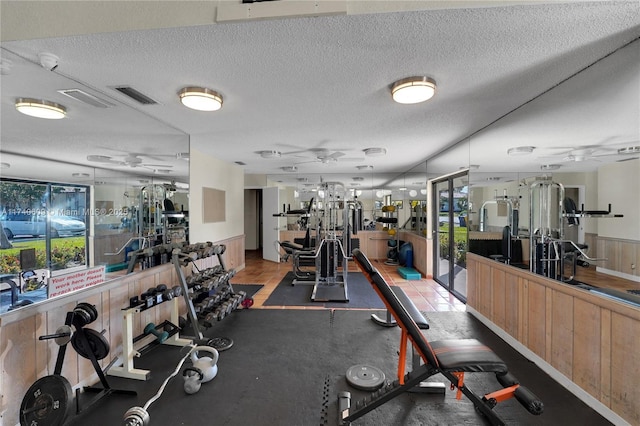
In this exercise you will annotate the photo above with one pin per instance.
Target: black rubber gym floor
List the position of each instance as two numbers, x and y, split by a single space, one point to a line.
286 367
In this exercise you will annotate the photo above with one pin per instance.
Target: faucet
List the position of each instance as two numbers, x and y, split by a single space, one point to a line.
14 289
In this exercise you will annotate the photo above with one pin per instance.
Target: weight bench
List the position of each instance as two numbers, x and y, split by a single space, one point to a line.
423 324
451 358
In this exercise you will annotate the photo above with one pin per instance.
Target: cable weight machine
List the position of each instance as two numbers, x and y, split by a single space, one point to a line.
331 256
548 249
545 227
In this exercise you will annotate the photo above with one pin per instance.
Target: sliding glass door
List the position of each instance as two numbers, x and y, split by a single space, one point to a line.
450 197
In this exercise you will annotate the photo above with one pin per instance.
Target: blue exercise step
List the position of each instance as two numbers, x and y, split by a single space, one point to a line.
409 273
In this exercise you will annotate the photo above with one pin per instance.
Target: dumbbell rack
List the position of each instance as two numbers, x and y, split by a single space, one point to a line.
127 370
217 286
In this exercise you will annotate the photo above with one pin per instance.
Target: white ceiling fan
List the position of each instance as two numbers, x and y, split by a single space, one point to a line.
591 153
132 160
325 156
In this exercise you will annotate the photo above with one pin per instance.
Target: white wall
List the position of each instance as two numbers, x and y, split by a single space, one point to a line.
255 181
207 171
619 184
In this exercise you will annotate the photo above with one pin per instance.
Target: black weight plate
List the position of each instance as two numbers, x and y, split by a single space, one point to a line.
98 344
365 377
47 402
220 343
93 312
82 316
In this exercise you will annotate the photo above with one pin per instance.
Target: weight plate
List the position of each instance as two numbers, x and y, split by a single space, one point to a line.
220 343
247 303
82 315
92 310
365 377
47 402
98 344
63 340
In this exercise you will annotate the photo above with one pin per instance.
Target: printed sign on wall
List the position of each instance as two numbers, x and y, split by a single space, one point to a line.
64 284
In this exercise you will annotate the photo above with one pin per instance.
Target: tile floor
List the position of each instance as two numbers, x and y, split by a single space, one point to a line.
426 294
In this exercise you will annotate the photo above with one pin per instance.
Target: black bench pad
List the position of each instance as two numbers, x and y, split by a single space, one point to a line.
417 316
387 220
467 355
291 246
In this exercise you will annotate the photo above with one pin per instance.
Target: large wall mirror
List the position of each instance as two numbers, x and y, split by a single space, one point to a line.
372 191
82 192
574 149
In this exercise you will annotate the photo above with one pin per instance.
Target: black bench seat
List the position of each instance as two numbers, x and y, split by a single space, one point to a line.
468 355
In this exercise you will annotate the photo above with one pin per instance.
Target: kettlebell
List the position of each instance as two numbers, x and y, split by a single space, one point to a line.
192 379
205 364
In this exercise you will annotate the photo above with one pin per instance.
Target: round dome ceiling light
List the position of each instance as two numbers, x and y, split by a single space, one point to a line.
40 108
413 90
200 98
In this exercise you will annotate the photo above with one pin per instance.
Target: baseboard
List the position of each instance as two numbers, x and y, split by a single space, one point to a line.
618 274
556 375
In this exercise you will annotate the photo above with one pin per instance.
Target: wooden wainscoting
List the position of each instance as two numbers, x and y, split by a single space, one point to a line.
24 358
622 256
590 340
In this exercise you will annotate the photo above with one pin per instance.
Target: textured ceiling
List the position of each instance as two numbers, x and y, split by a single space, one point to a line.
294 85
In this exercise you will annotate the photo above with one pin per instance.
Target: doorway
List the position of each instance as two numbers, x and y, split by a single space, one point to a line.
450 239
261 226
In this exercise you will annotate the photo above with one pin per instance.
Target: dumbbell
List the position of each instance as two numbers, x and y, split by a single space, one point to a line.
161 289
177 291
247 303
182 322
210 318
167 293
160 335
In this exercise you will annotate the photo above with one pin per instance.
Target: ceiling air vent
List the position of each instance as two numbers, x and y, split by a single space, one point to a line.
135 95
86 98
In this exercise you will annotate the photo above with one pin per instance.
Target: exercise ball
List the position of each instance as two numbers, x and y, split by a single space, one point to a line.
405 255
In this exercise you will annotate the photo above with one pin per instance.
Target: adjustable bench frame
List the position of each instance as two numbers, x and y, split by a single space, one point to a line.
451 358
